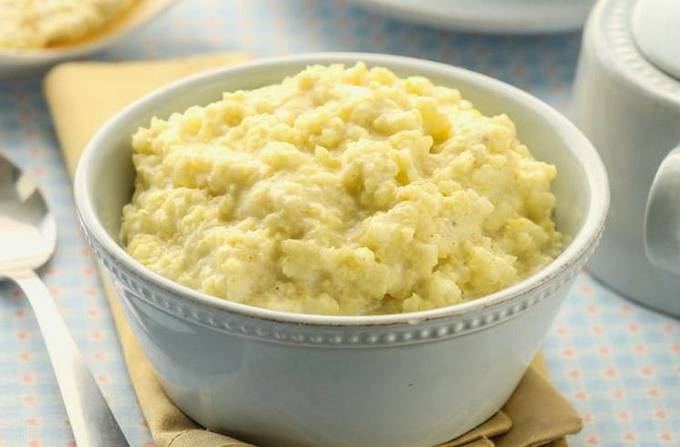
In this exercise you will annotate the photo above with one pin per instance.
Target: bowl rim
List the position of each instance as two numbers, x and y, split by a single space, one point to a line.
581 148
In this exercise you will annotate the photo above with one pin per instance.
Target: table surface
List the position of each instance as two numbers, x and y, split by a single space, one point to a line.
617 362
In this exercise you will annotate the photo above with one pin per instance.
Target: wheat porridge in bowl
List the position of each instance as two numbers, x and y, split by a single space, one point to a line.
342 190
37 24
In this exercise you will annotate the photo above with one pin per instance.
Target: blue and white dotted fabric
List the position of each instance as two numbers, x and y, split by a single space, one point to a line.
618 363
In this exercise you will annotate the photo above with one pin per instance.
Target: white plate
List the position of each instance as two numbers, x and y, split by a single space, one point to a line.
489 16
15 62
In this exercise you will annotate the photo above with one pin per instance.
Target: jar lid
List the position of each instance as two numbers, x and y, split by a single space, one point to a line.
655 27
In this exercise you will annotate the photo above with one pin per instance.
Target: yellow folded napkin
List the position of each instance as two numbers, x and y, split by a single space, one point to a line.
81 96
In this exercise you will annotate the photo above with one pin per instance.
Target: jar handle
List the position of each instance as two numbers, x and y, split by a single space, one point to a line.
662 217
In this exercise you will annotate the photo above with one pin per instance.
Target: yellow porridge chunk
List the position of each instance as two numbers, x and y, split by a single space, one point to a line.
340 191
32 24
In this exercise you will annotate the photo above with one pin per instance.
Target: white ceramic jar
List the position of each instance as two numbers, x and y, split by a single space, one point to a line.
627 101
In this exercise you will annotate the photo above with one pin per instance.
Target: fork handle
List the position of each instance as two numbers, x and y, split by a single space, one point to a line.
92 421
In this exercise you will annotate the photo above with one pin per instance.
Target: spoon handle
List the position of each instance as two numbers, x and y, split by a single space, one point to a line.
91 419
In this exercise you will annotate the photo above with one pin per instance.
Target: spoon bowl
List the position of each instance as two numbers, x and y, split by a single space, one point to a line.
28 233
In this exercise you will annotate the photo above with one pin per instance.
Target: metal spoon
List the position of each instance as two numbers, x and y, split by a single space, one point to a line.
27 240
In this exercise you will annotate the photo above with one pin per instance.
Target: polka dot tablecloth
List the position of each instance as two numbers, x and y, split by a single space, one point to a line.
618 363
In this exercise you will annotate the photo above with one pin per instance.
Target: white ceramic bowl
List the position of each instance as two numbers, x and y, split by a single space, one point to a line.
282 379
17 62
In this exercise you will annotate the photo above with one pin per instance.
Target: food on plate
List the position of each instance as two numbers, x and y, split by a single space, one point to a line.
340 191
37 24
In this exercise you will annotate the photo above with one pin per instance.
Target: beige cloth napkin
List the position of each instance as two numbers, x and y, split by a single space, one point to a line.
81 96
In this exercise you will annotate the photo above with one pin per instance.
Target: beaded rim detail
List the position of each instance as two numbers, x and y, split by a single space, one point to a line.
132 288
